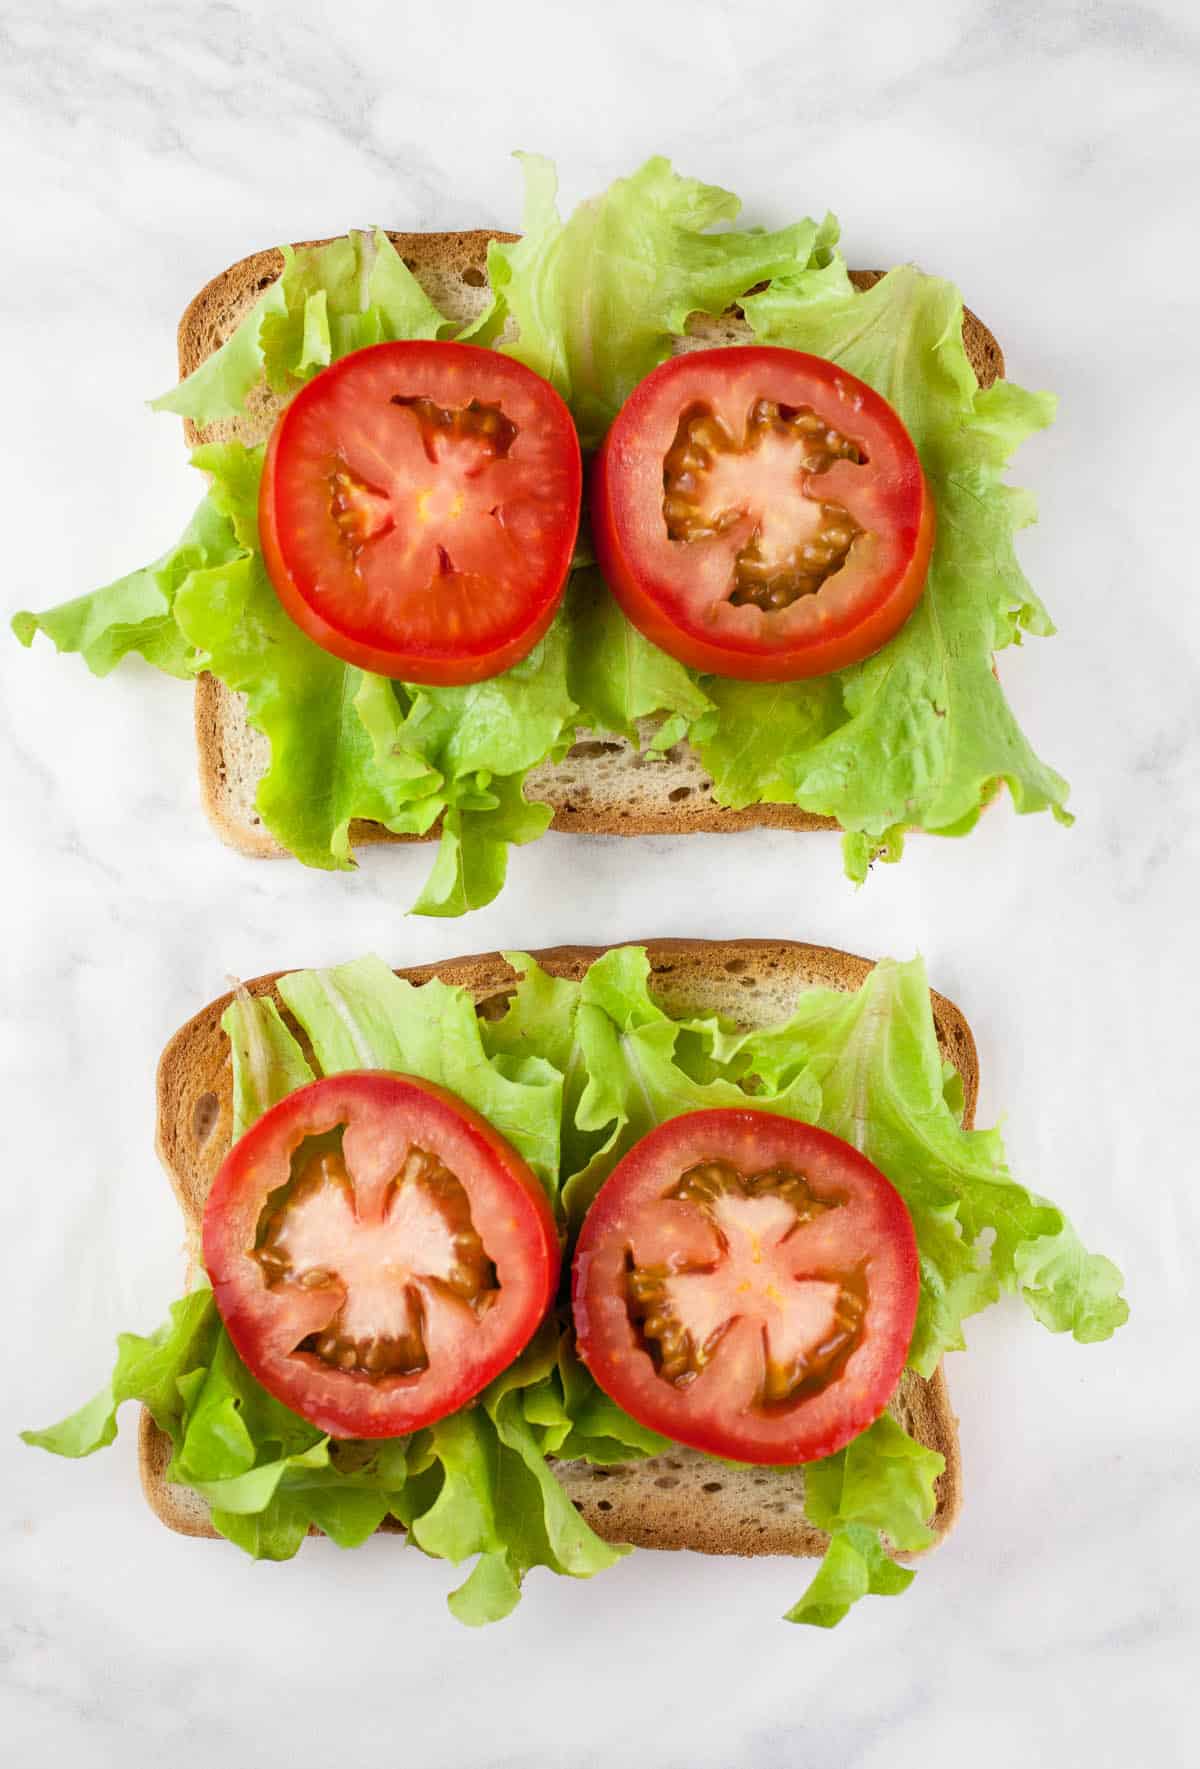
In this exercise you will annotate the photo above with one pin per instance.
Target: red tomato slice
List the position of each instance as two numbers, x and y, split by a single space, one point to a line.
419 507
748 1285
761 513
377 1252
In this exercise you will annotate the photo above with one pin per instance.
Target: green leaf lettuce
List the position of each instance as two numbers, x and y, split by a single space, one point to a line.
326 301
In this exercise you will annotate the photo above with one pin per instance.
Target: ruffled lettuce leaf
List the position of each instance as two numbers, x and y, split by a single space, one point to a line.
636 1075
325 769
137 613
863 1064
147 1369
344 744
876 1494
327 301
542 1020
873 1056
883 1479
269 1475
362 1016
614 675
924 735
597 299
490 1453
854 1565
475 1484
750 738
483 739
266 1473
597 1429
267 1062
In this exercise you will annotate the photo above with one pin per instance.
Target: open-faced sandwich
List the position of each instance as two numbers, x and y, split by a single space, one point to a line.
794 567
534 1259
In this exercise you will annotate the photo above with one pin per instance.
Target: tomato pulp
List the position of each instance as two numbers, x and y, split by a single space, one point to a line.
419 507
377 1252
748 1285
761 513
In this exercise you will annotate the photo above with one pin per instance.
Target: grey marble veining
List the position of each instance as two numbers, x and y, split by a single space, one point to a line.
1044 156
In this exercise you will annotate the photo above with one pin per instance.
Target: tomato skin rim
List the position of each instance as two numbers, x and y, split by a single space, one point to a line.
425 668
607 1343
233 1208
882 616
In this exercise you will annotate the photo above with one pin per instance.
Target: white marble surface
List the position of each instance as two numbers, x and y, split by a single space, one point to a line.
1046 157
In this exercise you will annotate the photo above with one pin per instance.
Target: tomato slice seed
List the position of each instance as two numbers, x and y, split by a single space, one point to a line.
377 1252
382 1272
809 1325
766 482
747 1284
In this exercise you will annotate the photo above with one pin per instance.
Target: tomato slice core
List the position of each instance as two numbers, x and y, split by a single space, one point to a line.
377 1252
748 1285
761 513
390 1263
419 507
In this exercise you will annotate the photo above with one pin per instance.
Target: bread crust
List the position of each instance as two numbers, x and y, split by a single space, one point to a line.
626 795
681 1499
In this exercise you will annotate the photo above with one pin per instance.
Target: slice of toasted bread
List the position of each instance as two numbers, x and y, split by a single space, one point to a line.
605 785
679 1500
